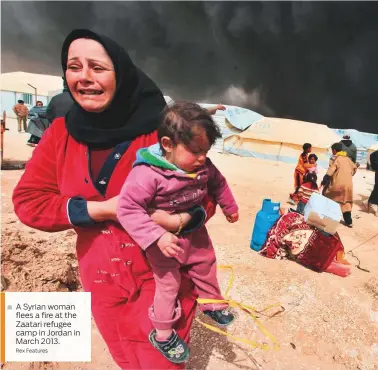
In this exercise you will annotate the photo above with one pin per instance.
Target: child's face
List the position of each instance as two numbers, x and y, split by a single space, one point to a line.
312 160
309 150
190 157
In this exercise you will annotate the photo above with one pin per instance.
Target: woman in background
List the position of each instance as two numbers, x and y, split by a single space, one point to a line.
38 123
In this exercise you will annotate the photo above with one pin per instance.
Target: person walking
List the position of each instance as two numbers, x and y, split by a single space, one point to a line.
74 178
21 111
338 182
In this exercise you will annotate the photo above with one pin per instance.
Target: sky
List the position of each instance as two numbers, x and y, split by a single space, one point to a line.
311 61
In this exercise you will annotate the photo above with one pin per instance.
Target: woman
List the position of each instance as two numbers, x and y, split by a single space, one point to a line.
338 182
38 123
73 180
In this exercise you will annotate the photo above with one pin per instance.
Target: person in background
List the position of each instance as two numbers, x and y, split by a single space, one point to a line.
373 199
301 169
312 159
338 182
349 148
38 123
305 191
21 111
59 104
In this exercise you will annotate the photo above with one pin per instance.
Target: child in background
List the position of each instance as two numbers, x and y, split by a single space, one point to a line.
305 191
312 159
300 171
175 175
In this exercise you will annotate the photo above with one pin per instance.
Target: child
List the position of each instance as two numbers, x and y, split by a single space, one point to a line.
300 171
175 175
312 159
305 191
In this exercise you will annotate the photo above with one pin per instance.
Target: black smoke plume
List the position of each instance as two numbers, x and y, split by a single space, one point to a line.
313 61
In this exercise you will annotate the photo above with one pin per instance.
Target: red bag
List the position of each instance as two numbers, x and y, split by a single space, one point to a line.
319 251
292 238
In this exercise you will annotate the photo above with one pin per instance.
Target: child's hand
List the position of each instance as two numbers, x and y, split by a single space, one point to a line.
168 244
233 218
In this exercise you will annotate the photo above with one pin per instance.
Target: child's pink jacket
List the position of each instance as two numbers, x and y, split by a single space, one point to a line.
152 187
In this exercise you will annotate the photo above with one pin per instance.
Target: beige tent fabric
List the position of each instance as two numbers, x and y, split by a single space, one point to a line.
289 131
282 140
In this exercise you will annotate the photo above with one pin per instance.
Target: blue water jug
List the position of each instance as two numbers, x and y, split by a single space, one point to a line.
265 219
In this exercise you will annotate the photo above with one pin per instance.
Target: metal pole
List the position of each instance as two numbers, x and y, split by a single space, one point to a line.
35 92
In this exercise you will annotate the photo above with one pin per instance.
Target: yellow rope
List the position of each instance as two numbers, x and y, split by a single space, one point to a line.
250 310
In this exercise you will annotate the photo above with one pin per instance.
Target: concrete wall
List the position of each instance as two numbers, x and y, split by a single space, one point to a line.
8 100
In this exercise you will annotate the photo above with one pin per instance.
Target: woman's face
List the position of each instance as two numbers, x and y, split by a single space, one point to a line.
90 75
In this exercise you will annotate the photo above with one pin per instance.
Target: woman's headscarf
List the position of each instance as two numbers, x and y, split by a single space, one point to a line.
134 110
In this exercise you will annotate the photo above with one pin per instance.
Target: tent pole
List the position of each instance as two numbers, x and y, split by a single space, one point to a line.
278 154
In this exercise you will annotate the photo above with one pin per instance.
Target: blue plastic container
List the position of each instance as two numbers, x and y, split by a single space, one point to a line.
265 219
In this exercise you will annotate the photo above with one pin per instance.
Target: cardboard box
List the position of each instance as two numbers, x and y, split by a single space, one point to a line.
323 213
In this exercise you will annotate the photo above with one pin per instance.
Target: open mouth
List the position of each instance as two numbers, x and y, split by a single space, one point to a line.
91 92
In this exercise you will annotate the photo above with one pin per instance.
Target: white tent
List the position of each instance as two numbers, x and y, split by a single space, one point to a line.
168 100
281 139
231 121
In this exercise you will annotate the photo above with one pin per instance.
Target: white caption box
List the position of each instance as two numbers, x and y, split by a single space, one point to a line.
48 327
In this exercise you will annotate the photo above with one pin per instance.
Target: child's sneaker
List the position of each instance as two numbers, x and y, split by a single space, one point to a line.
173 349
221 317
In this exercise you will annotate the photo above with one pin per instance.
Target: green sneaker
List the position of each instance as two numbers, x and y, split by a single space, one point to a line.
221 317
173 349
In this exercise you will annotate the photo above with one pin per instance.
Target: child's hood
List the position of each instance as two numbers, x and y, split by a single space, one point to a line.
153 157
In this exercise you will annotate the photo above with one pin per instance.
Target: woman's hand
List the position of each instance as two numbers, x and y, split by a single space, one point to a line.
107 210
103 211
167 221
213 110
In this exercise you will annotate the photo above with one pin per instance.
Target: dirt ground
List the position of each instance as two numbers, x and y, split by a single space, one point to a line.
329 322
